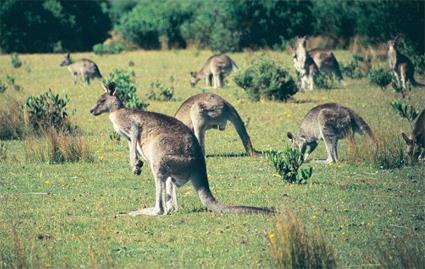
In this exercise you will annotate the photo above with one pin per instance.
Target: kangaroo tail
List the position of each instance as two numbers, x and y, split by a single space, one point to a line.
362 127
208 200
240 128
415 83
234 66
338 72
97 72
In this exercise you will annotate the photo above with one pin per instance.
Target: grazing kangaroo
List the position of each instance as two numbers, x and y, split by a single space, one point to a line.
416 141
401 66
207 110
324 60
85 67
172 150
216 68
330 122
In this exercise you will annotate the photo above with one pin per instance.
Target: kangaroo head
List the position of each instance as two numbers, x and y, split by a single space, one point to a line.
194 78
298 142
413 149
108 101
67 60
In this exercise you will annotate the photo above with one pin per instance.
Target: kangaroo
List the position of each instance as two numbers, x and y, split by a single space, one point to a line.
172 150
330 122
401 66
207 110
304 65
85 67
216 68
416 141
324 60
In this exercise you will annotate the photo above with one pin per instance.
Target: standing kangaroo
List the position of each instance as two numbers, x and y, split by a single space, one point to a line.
207 110
416 141
172 150
324 60
330 122
401 66
217 67
304 65
85 67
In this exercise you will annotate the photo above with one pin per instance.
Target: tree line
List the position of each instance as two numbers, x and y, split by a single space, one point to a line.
219 25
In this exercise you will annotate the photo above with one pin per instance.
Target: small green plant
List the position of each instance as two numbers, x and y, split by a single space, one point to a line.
113 48
3 87
126 89
405 110
380 77
288 164
114 136
324 80
292 245
47 110
160 92
265 78
12 83
355 67
15 61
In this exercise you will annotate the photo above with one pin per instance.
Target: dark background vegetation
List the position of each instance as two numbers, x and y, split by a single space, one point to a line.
220 25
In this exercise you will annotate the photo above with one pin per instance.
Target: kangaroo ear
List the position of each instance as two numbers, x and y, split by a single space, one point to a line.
110 87
290 136
407 139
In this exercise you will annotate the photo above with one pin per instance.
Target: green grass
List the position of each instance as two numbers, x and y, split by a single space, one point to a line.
68 215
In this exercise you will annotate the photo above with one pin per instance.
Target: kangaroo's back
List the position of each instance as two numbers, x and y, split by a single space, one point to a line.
418 132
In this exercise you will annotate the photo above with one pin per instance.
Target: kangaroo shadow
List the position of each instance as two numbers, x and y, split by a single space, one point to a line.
226 155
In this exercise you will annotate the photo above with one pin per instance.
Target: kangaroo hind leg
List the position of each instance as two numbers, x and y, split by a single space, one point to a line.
170 196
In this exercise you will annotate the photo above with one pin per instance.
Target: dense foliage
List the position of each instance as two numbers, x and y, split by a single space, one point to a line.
265 78
222 25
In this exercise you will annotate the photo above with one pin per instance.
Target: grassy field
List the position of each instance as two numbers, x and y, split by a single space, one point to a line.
67 215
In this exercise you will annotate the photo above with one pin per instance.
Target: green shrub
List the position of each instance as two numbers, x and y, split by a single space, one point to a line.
379 76
3 87
288 164
353 69
324 80
160 92
405 110
292 245
12 120
12 83
15 61
126 89
47 110
265 78
113 48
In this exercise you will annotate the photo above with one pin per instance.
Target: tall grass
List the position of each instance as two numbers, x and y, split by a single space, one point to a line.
57 147
387 153
12 120
292 245
403 251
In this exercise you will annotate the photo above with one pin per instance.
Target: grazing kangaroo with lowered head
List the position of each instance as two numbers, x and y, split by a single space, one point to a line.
330 122
401 66
216 68
416 141
84 67
172 150
324 60
207 110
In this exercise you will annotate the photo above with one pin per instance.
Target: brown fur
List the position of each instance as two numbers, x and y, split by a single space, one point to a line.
416 140
329 122
84 67
216 69
207 110
172 150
